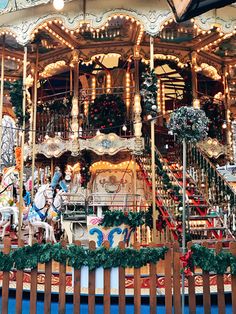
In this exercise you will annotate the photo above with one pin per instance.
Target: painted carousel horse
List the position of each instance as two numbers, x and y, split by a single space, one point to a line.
8 211
39 213
45 209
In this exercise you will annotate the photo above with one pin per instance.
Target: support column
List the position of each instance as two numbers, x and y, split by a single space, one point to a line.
228 114
196 103
136 69
75 105
34 115
154 212
71 81
21 207
2 96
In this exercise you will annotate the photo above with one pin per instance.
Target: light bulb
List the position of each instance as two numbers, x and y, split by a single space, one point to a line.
98 132
46 137
224 125
149 117
124 128
58 4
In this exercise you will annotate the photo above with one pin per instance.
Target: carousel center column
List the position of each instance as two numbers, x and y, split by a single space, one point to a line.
137 110
75 104
228 114
196 102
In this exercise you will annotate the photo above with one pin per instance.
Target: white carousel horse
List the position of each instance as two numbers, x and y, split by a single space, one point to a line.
39 213
9 179
45 209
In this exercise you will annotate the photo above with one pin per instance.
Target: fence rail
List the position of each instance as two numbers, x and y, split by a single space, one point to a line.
171 267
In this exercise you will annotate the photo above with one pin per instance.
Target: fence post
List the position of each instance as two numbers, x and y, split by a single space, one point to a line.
176 278
122 285
107 285
191 289
206 289
33 288
233 279
168 279
62 285
5 279
77 287
220 286
137 285
19 284
91 289
153 285
48 287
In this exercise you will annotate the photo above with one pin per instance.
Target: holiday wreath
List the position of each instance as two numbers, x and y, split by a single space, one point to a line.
189 123
107 113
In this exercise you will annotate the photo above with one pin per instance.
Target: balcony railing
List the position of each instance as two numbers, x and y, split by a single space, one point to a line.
51 123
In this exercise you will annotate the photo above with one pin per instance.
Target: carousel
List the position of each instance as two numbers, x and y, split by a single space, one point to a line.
117 124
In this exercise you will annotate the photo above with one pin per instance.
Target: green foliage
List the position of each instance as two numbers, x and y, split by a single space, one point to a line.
209 261
77 256
56 106
106 112
16 94
215 112
149 93
85 163
118 217
189 123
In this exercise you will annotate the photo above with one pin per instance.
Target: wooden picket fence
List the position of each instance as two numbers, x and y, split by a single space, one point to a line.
172 278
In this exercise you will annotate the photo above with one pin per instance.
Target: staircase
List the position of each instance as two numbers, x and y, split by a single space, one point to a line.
203 220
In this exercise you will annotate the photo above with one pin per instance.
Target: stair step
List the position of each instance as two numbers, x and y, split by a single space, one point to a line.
207 229
203 217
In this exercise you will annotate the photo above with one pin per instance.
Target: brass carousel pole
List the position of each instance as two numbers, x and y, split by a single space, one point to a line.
2 96
154 213
34 120
22 142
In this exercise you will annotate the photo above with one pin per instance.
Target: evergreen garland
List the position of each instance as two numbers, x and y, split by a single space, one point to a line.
106 112
148 93
85 163
209 261
78 256
161 172
16 95
119 217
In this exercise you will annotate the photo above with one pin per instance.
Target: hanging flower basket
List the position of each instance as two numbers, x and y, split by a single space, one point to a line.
189 123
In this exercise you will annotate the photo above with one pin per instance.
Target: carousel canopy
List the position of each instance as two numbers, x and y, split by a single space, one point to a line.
185 10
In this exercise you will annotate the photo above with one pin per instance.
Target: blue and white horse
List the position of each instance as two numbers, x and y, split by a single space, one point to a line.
38 213
45 209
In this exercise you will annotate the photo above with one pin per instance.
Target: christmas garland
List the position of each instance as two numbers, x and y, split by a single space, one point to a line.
106 112
161 172
148 93
116 218
208 260
189 123
29 257
16 95
85 174
119 217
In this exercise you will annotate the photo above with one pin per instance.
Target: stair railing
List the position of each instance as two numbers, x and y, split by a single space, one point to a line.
218 193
